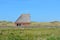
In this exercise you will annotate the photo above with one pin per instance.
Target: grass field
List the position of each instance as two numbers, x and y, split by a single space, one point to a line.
30 34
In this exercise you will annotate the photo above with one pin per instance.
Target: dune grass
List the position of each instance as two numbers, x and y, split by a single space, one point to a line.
30 34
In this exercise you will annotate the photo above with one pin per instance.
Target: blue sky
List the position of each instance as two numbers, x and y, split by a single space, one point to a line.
40 10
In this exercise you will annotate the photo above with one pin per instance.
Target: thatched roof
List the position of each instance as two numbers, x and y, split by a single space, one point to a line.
24 18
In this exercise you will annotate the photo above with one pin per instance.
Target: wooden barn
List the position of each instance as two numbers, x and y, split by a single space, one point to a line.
23 20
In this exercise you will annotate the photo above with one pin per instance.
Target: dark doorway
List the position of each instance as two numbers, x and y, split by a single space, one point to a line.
18 24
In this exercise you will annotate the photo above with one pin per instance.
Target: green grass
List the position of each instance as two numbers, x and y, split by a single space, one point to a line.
30 34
